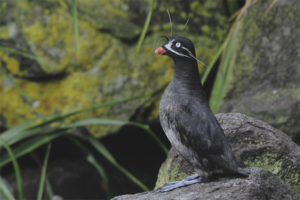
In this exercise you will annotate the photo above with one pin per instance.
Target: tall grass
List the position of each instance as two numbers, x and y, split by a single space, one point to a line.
220 82
75 25
43 173
31 135
146 26
16 167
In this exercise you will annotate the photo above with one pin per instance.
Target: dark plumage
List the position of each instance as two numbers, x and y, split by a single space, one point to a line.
187 120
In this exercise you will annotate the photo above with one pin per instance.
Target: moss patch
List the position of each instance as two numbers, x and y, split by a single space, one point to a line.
169 173
267 161
271 162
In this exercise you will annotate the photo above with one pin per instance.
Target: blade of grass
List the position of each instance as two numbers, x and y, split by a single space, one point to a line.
12 81
102 149
221 77
91 159
212 63
104 104
16 168
26 129
4 191
21 53
75 25
18 128
146 26
48 185
30 145
100 121
43 173
17 136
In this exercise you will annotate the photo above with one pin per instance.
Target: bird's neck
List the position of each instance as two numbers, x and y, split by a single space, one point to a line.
186 77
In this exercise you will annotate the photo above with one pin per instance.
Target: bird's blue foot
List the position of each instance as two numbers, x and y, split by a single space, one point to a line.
177 184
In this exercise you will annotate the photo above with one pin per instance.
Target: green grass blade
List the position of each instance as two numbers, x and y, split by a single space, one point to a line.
75 25
212 63
43 173
26 129
151 133
104 104
12 81
48 185
30 145
91 159
4 191
102 149
18 136
100 121
221 77
146 26
16 168
21 53
17 129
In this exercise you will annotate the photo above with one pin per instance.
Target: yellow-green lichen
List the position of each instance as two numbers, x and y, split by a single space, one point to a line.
267 161
3 32
51 37
292 178
166 174
59 96
271 162
11 64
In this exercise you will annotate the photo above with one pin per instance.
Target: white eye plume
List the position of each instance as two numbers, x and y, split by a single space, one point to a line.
177 44
192 56
168 46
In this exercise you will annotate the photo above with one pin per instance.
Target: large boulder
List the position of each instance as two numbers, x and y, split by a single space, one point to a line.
260 185
264 76
254 143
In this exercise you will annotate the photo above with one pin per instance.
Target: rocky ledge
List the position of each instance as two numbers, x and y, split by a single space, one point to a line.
260 185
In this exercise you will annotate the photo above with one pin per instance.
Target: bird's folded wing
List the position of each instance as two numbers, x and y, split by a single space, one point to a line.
199 129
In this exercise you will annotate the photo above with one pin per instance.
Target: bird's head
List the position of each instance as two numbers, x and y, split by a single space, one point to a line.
177 47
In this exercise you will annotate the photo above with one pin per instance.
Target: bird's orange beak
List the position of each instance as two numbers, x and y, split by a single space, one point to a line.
160 50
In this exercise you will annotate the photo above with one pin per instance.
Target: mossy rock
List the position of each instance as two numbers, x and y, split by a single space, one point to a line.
254 144
58 79
263 80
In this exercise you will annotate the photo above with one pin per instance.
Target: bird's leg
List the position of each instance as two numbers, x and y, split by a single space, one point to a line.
177 184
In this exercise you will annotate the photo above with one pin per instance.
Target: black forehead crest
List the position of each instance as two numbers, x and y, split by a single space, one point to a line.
184 41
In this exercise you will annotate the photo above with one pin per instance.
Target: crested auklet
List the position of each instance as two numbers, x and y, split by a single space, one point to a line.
188 122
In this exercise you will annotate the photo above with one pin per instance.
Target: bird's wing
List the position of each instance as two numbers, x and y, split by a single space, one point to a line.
199 129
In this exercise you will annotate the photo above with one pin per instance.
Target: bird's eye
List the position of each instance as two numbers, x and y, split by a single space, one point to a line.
177 44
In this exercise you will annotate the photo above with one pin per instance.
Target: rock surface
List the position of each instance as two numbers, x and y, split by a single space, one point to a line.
254 143
260 185
264 76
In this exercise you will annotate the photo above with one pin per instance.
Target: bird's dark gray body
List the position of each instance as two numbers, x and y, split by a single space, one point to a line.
194 131
186 118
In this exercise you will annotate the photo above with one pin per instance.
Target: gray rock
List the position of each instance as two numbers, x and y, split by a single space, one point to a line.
254 143
264 78
260 185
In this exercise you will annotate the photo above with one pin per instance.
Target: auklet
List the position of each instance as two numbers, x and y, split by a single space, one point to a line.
188 121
